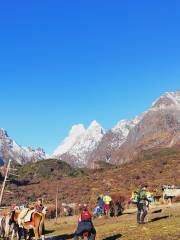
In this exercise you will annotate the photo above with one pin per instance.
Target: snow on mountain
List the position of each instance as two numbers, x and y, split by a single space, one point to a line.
91 137
81 141
118 134
83 146
122 127
166 101
112 140
75 134
9 149
159 127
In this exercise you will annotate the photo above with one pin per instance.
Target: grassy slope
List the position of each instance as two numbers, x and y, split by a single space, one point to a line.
125 227
48 169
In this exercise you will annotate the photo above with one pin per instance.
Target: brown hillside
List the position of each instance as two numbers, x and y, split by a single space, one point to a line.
157 167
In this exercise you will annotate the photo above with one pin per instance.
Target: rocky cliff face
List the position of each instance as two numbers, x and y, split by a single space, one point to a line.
159 127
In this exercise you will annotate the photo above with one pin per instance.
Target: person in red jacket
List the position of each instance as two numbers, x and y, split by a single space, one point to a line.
85 225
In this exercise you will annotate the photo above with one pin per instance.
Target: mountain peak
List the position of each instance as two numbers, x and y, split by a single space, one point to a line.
9 149
76 129
81 141
167 100
83 146
94 124
3 132
75 133
95 129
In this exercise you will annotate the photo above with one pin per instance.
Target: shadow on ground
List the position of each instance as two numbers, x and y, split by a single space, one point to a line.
129 213
115 237
49 231
61 237
158 218
157 211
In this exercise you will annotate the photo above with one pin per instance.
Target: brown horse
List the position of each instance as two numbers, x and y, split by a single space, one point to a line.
36 224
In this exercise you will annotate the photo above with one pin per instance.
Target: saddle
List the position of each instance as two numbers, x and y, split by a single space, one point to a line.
25 216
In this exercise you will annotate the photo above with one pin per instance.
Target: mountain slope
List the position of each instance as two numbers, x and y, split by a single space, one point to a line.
159 127
154 167
112 140
9 149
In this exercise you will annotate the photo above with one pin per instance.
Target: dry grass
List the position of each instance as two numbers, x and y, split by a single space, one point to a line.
161 226
155 168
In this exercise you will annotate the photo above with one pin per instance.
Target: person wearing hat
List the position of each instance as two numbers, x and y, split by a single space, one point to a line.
142 204
85 225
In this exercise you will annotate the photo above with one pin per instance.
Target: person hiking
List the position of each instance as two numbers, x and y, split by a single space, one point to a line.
107 201
100 201
99 208
134 197
142 205
85 225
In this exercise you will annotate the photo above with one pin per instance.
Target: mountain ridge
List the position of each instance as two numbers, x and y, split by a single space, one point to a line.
159 126
128 137
9 149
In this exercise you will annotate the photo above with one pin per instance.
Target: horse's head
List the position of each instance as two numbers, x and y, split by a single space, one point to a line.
13 215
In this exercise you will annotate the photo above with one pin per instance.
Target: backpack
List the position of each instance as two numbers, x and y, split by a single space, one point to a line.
86 216
142 196
135 197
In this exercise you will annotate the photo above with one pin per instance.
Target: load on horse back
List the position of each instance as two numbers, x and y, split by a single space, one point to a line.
29 221
36 224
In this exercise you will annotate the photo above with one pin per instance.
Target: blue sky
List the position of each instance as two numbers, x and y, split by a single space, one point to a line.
65 62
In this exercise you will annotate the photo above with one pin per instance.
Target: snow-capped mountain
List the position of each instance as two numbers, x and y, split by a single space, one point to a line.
157 127
76 133
80 143
9 149
83 145
169 100
113 140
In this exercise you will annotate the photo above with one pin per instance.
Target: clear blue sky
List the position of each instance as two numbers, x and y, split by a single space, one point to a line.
65 62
